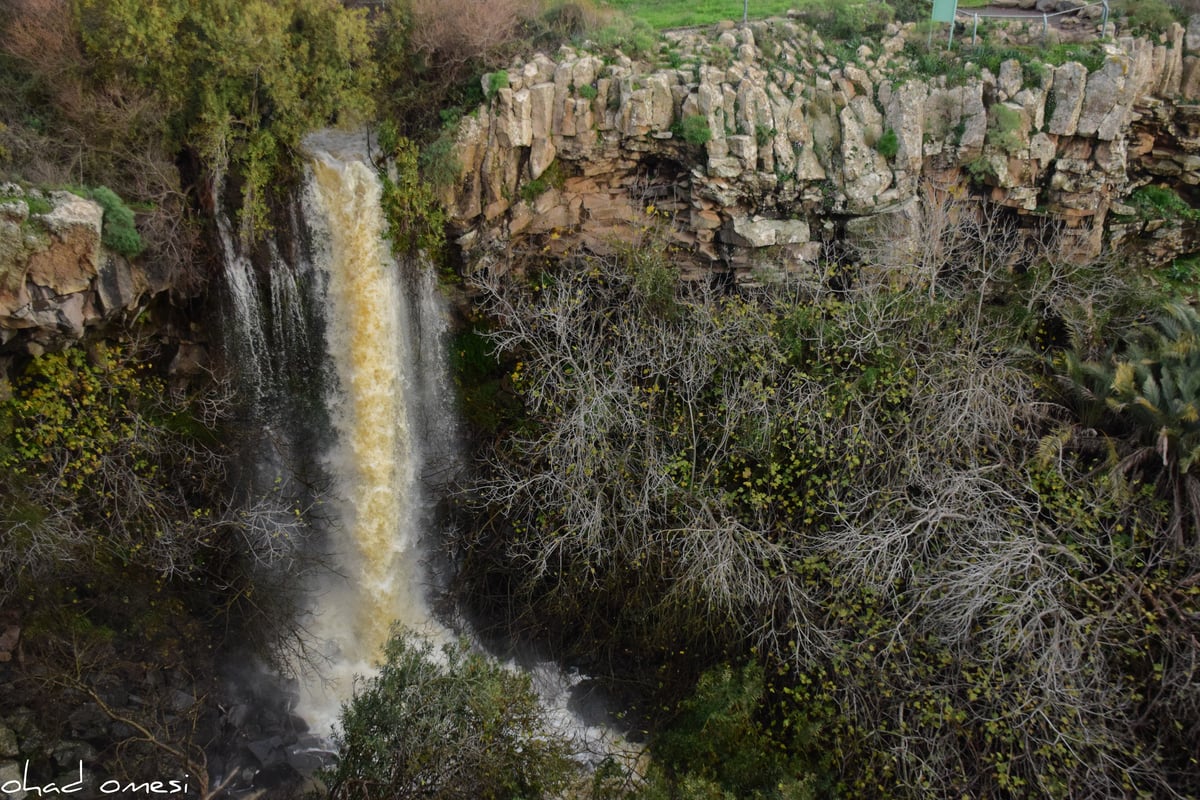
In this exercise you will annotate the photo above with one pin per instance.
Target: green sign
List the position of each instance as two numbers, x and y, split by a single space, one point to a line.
943 10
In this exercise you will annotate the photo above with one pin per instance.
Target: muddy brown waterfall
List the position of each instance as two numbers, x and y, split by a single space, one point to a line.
389 406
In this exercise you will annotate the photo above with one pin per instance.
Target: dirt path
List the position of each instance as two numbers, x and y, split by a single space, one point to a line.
1071 25
1055 18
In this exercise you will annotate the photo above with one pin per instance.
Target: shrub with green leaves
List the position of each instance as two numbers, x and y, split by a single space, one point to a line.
122 549
433 726
847 20
1182 276
240 81
119 232
1146 17
693 129
494 82
1004 128
719 746
552 177
105 473
439 160
1160 202
852 475
1154 388
633 37
888 144
1090 54
980 169
415 217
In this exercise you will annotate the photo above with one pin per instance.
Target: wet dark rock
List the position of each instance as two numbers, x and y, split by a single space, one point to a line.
88 722
238 716
268 751
115 696
180 700
120 731
297 724
69 753
281 774
309 754
8 743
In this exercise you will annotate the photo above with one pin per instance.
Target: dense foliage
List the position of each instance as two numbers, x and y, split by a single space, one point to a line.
719 747
119 231
109 474
415 218
445 726
133 86
121 543
864 475
241 81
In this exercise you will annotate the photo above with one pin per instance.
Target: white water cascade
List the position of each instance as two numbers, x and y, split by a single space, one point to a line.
376 410
389 404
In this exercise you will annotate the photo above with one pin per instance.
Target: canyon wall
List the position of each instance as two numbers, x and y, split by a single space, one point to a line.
57 279
756 148
762 145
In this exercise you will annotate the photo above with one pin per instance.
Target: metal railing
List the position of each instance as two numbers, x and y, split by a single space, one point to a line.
1044 16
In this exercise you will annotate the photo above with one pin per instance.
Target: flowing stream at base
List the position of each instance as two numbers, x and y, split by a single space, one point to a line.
386 427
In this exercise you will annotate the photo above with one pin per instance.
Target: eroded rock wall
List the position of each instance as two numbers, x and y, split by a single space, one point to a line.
57 279
805 137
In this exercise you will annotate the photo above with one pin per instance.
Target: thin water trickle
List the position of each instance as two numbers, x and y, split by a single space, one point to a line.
247 341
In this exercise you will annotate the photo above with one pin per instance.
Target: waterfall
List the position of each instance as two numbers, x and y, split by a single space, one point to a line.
247 341
384 328
341 319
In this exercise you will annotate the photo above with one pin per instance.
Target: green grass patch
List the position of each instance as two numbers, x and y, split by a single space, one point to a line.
495 82
1181 278
888 144
1162 202
630 34
1147 17
1090 54
552 178
693 129
1004 128
35 203
686 13
966 60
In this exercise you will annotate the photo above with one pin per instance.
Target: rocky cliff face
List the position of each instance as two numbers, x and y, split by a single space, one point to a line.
56 277
766 141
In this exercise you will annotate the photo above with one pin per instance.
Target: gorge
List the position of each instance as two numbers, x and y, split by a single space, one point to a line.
830 401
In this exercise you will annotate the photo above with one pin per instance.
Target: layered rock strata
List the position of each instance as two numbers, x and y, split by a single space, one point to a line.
762 142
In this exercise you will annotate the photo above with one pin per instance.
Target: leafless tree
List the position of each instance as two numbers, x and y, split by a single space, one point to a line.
460 32
936 503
